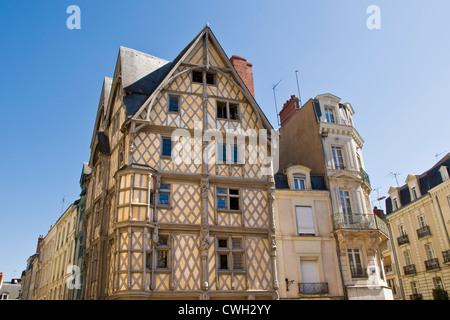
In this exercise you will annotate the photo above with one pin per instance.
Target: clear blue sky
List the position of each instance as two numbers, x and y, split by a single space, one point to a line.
397 79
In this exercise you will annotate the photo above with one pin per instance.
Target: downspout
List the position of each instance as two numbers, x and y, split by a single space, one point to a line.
397 269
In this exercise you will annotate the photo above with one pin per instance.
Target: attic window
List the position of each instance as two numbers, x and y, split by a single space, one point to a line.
210 78
197 76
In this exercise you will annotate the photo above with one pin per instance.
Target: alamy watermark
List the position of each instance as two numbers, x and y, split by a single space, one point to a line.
74 20
374 20
239 147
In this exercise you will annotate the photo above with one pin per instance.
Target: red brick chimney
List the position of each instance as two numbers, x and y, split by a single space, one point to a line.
41 238
378 212
289 109
245 71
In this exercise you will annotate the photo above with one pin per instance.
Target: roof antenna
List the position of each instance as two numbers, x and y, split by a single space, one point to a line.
437 155
276 108
298 88
394 174
62 206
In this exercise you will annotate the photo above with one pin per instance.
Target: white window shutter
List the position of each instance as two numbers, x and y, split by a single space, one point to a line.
305 220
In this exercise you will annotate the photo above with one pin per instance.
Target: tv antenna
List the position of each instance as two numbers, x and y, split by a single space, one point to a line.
378 197
298 88
437 155
274 96
394 174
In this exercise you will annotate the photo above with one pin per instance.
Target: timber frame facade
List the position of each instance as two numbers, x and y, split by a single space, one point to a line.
157 229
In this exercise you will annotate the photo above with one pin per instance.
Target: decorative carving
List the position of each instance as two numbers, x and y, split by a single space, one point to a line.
204 187
155 237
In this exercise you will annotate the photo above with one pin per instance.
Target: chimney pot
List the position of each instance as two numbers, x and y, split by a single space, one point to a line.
245 71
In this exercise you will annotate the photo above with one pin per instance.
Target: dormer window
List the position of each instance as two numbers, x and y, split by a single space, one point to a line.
329 114
414 193
299 177
299 182
395 203
444 173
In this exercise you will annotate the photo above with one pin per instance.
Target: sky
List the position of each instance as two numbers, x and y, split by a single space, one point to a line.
396 77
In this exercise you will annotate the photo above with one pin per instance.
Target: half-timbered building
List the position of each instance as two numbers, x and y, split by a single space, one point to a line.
176 208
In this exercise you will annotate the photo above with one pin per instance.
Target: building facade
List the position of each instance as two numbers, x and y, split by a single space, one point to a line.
307 259
158 228
419 219
321 136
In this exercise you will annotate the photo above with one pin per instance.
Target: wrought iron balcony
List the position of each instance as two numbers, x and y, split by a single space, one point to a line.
364 176
432 264
416 296
423 232
409 269
359 273
359 221
446 255
313 288
403 239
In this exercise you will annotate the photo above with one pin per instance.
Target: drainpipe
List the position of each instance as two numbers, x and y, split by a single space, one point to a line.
338 252
397 269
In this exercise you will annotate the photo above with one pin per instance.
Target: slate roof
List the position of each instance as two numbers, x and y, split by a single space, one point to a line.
427 180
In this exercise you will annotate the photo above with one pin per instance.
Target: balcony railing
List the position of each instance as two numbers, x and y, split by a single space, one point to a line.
446 256
364 176
359 221
423 232
313 288
388 269
432 264
359 273
416 296
409 269
403 239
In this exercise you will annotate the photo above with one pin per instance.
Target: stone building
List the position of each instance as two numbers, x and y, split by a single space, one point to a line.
321 136
418 213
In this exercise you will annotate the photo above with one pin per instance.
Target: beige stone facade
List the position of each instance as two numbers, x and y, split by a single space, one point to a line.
418 258
321 136
308 267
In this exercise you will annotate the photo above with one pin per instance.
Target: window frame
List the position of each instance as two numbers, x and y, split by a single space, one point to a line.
235 153
165 191
333 114
228 103
228 196
230 252
162 147
170 96
313 233
300 178
336 157
163 248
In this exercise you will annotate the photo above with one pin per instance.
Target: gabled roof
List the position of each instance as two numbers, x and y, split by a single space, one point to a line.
172 67
328 96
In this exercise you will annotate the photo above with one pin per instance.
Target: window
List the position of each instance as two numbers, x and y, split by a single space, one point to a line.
329 113
299 182
402 230
438 283
345 201
227 110
310 274
210 78
166 149
408 259
162 252
305 220
338 158
231 254
174 103
228 199
197 76
164 195
414 288
429 251
395 201
148 261
391 284
222 154
355 262
5 296
414 193
422 222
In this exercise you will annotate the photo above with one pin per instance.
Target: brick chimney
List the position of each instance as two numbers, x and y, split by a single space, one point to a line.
245 71
378 212
41 238
290 107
